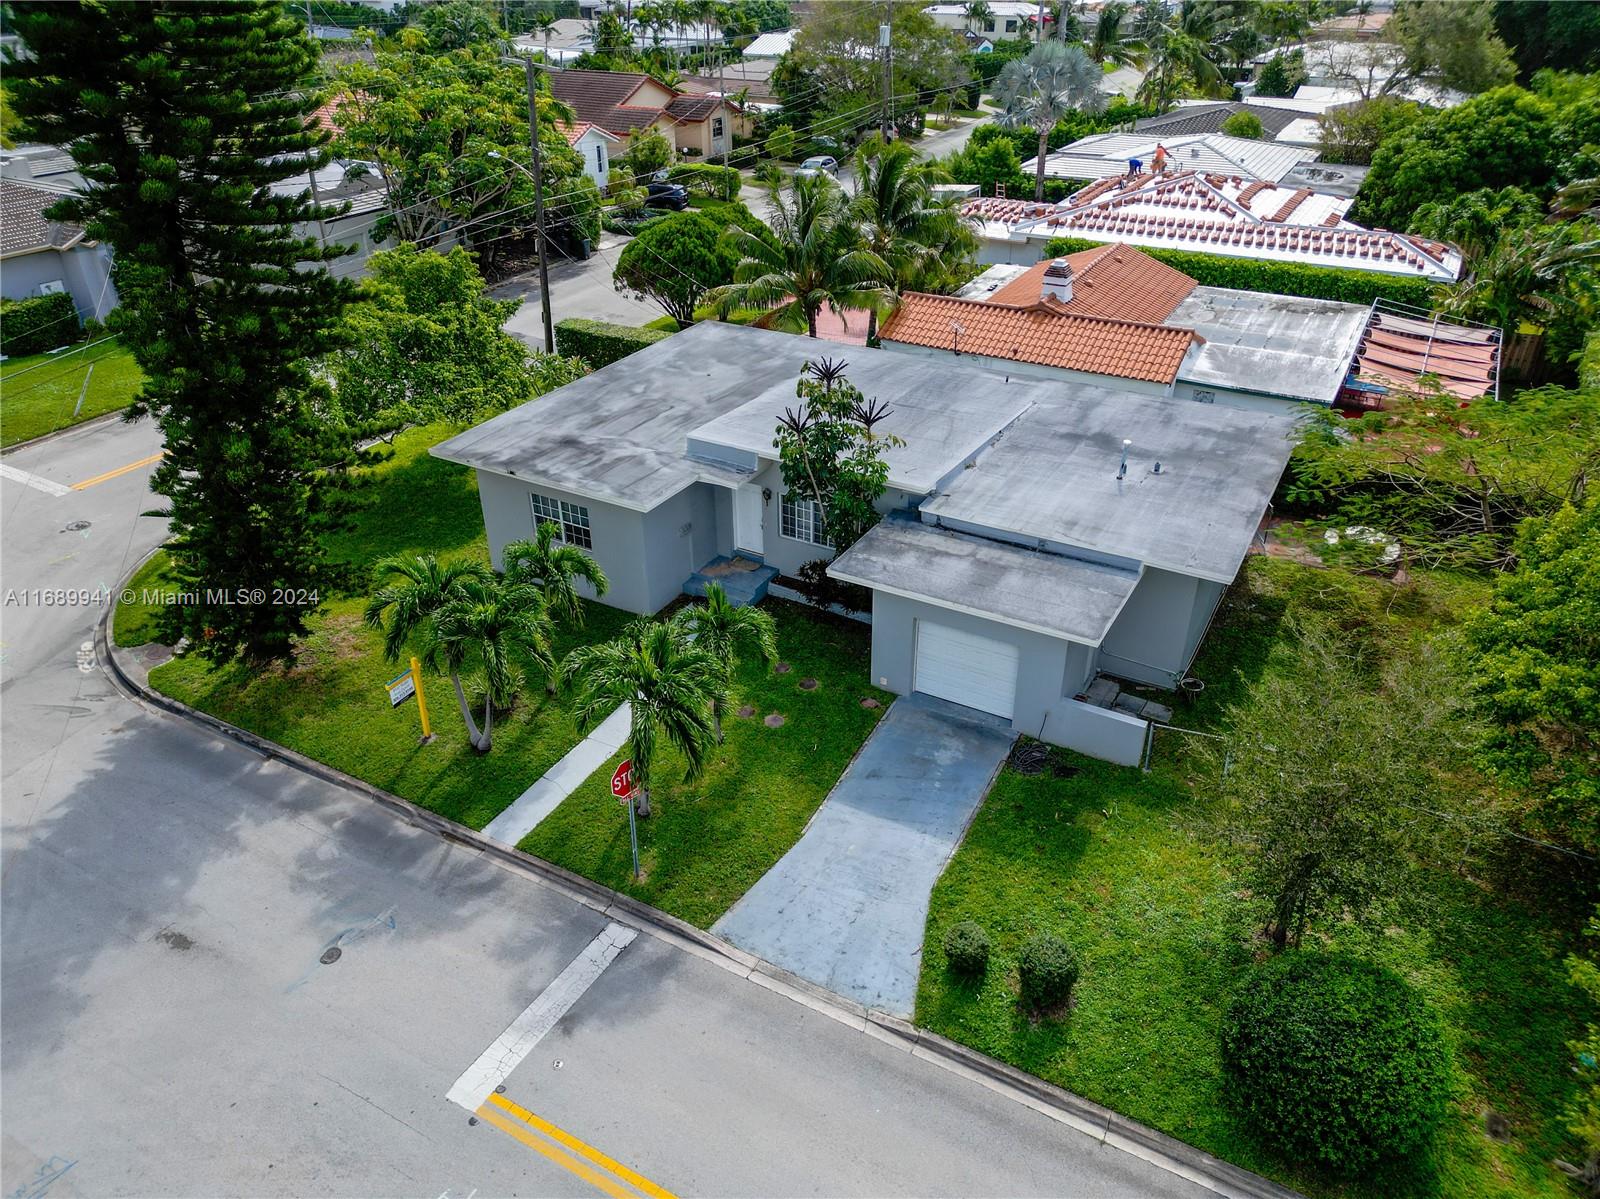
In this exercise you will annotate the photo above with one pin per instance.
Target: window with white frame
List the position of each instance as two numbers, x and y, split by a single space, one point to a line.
571 519
716 126
801 520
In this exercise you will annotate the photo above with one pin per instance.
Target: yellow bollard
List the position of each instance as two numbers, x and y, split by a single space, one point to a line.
422 702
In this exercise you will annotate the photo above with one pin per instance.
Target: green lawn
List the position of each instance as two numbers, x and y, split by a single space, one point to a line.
47 386
1130 867
706 842
134 623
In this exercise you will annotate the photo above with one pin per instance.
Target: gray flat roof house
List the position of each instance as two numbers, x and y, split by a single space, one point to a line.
1021 568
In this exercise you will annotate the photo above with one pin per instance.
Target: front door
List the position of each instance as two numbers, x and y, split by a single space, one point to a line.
747 506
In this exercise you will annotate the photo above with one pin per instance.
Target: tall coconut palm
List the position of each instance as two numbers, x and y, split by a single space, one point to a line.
1112 40
978 14
554 567
720 629
1037 91
814 258
669 684
543 22
1189 43
412 593
489 623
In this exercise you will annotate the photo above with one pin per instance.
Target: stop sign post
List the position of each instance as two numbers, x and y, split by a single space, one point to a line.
622 788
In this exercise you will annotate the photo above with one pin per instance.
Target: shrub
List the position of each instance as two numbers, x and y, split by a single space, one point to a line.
707 179
813 582
966 949
37 324
783 142
600 343
1334 1059
1047 969
1283 278
1244 124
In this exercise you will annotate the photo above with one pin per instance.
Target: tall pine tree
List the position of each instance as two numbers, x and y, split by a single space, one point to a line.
181 115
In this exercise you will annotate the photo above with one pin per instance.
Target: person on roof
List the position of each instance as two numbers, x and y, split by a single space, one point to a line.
1159 159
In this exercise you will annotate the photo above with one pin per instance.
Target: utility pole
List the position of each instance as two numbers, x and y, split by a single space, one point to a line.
538 210
884 32
1040 37
311 171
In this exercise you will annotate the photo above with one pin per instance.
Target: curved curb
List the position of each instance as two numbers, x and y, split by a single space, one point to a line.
105 418
1100 1123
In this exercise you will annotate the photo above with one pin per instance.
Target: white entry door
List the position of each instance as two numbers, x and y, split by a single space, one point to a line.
977 672
747 507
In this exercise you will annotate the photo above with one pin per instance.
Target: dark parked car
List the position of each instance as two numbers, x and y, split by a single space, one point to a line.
666 195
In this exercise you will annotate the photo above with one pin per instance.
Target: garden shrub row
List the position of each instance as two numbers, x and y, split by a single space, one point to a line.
37 324
1282 278
707 179
600 343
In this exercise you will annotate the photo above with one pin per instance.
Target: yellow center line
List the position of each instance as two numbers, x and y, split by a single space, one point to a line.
121 470
592 1177
577 1146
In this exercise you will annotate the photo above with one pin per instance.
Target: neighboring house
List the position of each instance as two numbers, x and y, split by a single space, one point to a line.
753 77
1008 18
624 102
1042 542
595 146
772 45
1209 118
351 198
1116 317
1213 213
1402 346
39 256
1107 155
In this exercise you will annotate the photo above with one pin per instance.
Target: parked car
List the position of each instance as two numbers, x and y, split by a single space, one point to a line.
819 164
661 194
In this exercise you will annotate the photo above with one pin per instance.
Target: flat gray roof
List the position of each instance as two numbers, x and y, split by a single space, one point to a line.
1048 593
1285 346
1053 478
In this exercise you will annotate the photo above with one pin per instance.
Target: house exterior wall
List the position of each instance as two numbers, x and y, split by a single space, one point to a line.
596 168
680 536
786 553
84 270
1032 370
1228 398
994 250
1155 637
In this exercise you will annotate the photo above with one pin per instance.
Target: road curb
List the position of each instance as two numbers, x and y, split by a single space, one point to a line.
104 418
1101 1123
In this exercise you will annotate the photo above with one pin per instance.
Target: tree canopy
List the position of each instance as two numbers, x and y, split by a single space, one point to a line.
674 261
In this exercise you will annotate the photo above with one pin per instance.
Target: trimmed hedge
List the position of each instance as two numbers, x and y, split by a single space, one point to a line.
1283 278
600 343
966 949
1046 971
37 324
707 179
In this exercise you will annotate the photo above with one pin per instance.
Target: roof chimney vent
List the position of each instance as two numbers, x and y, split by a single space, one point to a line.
1122 471
1058 281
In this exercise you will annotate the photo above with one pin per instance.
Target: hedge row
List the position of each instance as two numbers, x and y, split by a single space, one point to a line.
719 183
1283 278
35 325
600 343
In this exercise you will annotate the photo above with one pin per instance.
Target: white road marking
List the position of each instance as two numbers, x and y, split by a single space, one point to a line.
29 479
497 1062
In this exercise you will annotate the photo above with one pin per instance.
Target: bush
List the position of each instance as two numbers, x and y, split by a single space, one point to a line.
782 142
1335 1059
1244 124
813 582
37 324
966 949
600 343
1282 278
706 179
1047 969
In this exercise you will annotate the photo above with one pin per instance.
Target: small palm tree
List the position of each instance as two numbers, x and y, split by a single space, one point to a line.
555 568
1188 43
1037 91
543 23
978 14
490 622
814 258
1524 276
1112 39
720 629
670 685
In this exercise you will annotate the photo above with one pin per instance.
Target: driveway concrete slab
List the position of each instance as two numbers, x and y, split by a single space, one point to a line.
846 906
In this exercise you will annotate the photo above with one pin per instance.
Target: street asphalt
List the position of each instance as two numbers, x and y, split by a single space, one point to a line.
169 899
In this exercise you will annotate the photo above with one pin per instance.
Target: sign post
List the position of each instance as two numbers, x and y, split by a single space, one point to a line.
403 687
622 788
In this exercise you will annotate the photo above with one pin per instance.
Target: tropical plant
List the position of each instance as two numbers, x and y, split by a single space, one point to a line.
669 685
1185 46
555 568
813 260
721 629
1534 274
1037 91
1112 39
978 14
1244 124
490 622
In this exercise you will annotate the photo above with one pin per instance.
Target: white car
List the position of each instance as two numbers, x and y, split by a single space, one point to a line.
818 164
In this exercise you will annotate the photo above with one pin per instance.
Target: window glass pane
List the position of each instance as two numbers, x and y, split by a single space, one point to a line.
575 525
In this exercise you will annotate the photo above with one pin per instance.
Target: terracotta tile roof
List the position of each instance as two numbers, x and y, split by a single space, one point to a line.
574 132
693 108
1114 281
1397 349
601 98
1043 333
23 225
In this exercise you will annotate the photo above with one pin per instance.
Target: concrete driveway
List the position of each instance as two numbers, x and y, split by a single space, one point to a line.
846 906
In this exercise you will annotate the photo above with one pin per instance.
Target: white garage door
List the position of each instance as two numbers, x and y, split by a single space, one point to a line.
978 672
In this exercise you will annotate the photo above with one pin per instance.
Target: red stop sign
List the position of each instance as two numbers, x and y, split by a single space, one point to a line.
622 780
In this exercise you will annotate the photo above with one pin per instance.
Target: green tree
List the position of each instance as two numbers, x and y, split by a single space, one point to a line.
1037 91
813 258
1452 43
1244 124
1282 74
1542 274
1542 34
1185 45
675 261
181 118
555 568
669 685
1475 220
648 152
491 623
1112 38
1534 665
722 630
1583 1116
1351 134
457 24
783 143
978 15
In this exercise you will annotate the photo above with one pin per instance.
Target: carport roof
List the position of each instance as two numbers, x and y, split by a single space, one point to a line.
1052 594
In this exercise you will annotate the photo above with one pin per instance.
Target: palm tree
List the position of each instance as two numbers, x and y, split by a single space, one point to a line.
720 629
555 568
978 14
1525 276
1188 43
543 22
669 684
1113 39
1037 91
412 594
814 258
490 622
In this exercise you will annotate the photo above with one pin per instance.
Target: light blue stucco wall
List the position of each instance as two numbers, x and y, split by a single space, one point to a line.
85 271
1155 637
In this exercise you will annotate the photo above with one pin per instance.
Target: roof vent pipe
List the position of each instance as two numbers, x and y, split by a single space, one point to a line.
1058 281
1156 470
1122 471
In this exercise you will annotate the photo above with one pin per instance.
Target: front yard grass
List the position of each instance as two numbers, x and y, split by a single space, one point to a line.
1132 868
705 843
41 400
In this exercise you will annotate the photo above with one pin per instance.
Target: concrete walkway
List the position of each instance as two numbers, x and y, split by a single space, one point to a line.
846 906
562 779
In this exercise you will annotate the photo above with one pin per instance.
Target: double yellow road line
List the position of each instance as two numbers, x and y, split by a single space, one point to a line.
120 471
553 1143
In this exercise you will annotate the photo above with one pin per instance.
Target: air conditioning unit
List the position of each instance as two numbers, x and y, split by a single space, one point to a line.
53 288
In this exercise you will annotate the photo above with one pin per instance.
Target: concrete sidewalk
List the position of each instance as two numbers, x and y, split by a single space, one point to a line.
562 779
845 908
